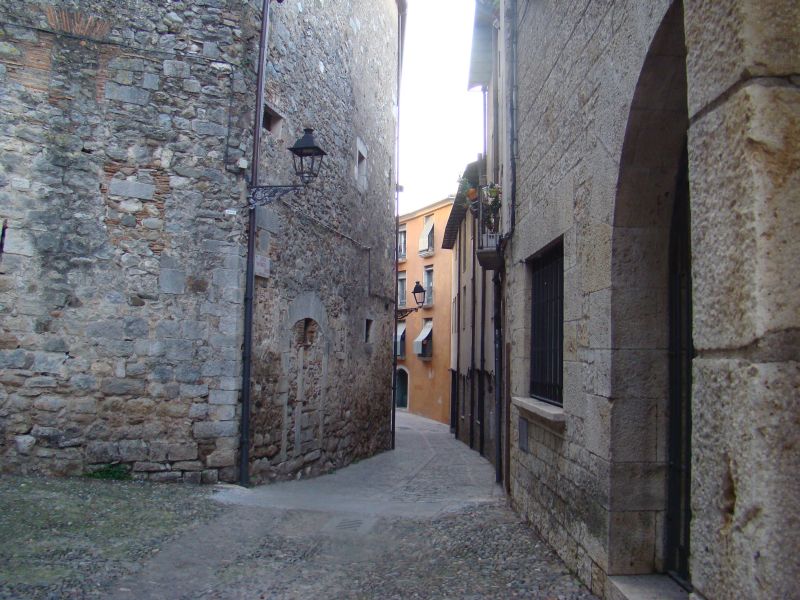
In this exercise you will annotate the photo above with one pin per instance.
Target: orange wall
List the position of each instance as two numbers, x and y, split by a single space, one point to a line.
428 380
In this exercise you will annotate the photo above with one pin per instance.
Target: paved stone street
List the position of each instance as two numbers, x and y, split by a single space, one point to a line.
424 521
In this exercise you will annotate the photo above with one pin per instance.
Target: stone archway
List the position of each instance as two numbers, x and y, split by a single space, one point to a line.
655 142
288 425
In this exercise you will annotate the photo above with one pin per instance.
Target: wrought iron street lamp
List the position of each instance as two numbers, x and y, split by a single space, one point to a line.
307 157
419 298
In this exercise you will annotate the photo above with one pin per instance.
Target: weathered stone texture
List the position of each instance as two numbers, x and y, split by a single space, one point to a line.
752 38
747 155
743 485
586 488
605 92
314 411
122 280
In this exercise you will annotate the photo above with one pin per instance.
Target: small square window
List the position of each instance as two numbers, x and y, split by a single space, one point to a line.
272 122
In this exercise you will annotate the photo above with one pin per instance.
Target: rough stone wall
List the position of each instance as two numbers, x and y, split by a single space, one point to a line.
578 69
600 129
744 159
122 278
330 248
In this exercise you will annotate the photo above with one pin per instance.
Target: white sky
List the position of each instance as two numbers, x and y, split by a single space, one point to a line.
441 123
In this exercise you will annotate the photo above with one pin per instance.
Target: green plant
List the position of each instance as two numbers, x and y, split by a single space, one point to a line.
492 199
112 471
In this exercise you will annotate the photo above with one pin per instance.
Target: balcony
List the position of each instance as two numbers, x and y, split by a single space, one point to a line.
487 207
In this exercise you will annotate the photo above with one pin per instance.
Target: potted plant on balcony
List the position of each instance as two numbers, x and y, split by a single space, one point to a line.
492 200
467 193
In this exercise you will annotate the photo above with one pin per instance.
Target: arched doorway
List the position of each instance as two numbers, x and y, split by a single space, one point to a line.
402 388
651 315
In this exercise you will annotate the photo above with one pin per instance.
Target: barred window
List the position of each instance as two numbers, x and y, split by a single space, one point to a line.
547 325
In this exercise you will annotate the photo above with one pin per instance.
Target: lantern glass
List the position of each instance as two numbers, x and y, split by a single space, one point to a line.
307 156
419 294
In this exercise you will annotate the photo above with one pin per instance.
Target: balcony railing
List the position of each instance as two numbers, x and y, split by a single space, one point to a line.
489 254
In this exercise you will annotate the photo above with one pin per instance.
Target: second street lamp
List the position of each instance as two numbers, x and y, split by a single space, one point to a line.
419 298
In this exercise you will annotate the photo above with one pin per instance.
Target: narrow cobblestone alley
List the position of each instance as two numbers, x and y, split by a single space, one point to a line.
424 521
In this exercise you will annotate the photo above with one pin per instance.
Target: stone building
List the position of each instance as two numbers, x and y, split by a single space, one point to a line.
648 154
126 133
423 337
472 368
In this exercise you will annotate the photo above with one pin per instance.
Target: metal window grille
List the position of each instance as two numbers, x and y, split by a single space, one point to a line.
547 326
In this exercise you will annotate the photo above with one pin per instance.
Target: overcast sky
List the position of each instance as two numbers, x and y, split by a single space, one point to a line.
441 123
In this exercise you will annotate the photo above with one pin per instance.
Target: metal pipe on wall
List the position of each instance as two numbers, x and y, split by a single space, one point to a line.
482 368
498 378
247 343
472 411
401 21
458 398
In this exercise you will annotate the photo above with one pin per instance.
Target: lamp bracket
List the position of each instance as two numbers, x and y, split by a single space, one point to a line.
261 195
402 313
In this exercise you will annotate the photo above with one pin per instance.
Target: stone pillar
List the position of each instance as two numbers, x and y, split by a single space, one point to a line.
744 164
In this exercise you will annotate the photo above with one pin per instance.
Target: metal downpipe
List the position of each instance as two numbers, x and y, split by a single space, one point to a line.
401 21
247 343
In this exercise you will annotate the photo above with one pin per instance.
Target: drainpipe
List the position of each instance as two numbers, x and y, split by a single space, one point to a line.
458 399
511 92
511 15
472 341
401 34
247 346
498 378
482 368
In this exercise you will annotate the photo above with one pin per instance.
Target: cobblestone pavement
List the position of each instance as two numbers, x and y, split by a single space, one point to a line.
423 521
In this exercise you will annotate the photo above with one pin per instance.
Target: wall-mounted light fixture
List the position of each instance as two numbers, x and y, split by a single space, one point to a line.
419 298
307 158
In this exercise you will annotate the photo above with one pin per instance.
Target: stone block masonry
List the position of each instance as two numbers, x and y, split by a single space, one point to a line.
121 287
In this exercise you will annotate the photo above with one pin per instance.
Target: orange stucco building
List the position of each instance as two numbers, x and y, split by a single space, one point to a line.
423 337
